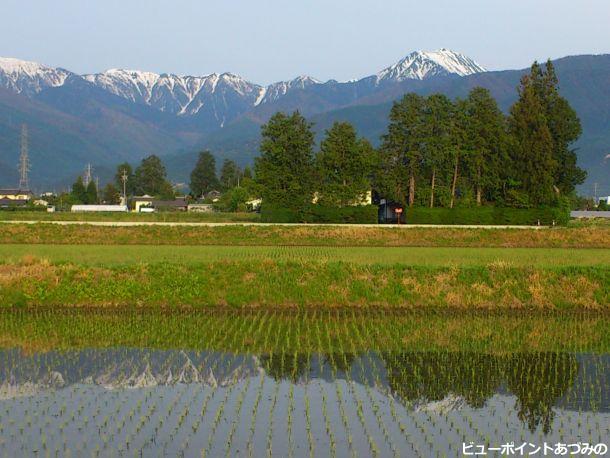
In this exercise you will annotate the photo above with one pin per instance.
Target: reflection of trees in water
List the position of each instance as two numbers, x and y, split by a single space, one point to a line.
538 380
432 376
339 362
294 366
289 366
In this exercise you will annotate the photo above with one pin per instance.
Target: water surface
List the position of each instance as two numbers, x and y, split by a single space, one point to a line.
329 385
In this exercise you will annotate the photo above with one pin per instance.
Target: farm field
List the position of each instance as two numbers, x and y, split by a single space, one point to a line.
112 255
281 384
305 267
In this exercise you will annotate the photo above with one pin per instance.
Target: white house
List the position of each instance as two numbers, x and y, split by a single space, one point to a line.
98 208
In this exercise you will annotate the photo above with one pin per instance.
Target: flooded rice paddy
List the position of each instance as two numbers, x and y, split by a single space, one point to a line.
265 384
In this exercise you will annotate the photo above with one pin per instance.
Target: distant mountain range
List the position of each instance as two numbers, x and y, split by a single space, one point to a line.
119 115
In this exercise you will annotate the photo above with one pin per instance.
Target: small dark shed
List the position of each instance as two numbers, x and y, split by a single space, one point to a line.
389 212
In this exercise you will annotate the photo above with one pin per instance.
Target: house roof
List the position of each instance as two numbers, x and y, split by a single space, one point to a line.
15 191
170 203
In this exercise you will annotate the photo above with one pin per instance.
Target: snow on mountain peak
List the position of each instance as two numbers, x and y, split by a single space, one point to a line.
420 65
217 95
29 78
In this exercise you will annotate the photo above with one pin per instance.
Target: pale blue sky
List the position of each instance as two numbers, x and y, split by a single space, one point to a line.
272 40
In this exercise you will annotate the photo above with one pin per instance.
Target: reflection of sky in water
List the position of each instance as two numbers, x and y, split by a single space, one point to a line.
395 403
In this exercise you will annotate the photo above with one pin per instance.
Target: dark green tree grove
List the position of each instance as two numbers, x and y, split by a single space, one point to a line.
533 162
111 195
230 174
563 124
485 145
79 191
401 152
285 168
203 176
91 194
344 165
150 177
438 139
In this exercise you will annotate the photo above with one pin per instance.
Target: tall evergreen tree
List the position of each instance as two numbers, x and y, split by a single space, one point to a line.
458 125
563 124
285 168
111 195
344 165
79 191
247 172
438 137
91 193
485 144
532 145
150 176
230 174
401 152
203 176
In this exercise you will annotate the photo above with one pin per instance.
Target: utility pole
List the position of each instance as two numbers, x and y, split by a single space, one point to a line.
24 161
595 193
97 188
124 180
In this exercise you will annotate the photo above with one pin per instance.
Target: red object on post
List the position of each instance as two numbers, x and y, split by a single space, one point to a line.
399 211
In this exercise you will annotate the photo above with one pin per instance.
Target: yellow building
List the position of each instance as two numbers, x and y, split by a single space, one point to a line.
15 194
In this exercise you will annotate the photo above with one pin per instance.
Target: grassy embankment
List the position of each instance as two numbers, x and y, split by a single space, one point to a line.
580 236
540 274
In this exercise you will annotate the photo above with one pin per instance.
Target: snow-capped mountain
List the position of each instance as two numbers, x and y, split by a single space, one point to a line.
29 78
181 95
421 65
277 90
221 97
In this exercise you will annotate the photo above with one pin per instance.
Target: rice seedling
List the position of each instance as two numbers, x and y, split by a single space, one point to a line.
341 383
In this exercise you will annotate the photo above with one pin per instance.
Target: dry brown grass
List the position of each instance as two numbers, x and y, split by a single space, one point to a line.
568 237
29 267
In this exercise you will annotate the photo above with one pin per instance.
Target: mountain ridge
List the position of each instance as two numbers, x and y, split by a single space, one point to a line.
187 95
74 120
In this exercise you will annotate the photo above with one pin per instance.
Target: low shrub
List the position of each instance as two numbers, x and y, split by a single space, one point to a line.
24 208
488 215
364 214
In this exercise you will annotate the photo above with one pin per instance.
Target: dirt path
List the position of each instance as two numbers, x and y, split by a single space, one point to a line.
212 224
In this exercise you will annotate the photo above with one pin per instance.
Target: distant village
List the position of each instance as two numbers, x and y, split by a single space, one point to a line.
109 199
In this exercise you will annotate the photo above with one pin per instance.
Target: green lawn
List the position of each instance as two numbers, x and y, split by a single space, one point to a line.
108 255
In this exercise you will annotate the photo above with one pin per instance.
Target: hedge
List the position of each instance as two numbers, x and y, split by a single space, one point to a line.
364 214
488 215
24 208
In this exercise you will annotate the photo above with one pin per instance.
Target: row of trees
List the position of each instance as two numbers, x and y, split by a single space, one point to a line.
150 177
436 152
204 178
290 175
